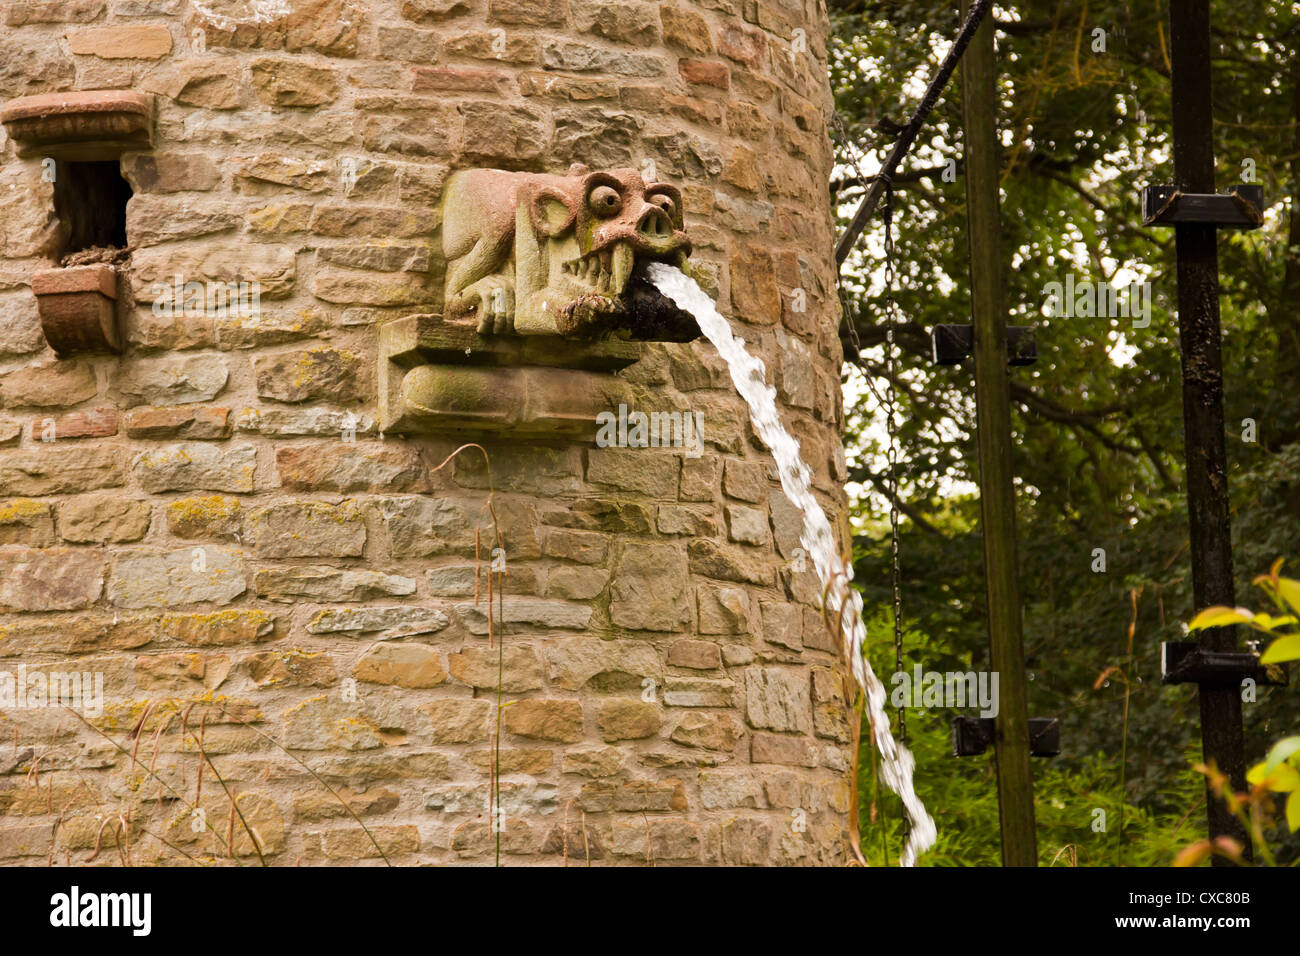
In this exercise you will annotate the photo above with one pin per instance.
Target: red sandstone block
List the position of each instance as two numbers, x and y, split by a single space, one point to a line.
704 73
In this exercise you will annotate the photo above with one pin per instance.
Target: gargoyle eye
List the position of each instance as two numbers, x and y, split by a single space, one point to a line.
605 201
664 202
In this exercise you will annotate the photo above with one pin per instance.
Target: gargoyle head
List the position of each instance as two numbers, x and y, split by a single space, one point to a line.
539 254
598 226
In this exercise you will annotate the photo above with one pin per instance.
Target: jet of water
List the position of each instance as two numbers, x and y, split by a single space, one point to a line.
748 374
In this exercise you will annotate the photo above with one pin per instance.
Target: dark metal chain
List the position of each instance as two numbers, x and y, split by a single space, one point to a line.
891 427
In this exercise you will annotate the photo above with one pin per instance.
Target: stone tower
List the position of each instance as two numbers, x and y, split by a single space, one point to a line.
228 378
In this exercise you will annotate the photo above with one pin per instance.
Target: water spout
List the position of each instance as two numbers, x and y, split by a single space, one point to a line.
841 600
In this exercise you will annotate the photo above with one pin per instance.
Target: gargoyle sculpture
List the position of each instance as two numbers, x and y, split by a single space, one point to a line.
538 254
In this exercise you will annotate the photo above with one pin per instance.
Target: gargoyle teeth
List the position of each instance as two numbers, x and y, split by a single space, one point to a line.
621 267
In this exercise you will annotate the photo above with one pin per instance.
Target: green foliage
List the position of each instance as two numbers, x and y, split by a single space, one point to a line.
1098 420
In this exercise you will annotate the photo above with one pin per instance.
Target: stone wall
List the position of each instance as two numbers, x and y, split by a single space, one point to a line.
212 522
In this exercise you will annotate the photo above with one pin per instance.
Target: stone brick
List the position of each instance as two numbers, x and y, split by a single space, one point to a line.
621 718
197 466
290 668
388 623
216 629
173 380
545 719
581 583
514 668
633 23
743 46
458 720
358 844
325 723
724 611
209 516
648 590
572 663
315 583
91 423
535 613
584 547
657 839
57 471
698 655
754 292
27 522
170 172
405 665
830 715
21 12
103 519
685 30
180 673
643 471
55 385
11 431
699 478
344 803
682 520
729 789
321 374
746 525
528 12
274 422
709 731
351 466
180 421
778 699
433 11
594 761
187 576
745 480
782 624
56 579
698 692
283 82
727 564
746 842
705 73
135 42
782 749
308 529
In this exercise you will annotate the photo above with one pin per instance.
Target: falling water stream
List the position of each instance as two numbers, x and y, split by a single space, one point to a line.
841 600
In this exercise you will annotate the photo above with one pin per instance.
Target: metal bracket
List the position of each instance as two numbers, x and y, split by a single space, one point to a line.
951 344
1185 662
972 736
1242 207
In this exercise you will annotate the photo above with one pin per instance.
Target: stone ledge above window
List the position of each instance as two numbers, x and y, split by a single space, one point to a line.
91 125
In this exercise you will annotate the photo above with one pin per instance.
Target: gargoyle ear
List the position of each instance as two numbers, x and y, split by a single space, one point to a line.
552 212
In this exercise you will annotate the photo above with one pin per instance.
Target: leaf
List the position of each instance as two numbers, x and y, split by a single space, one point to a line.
1220 616
1267 622
1293 811
1282 778
1282 750
1285 648
1288 590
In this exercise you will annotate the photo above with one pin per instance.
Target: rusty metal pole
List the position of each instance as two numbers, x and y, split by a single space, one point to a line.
1202 361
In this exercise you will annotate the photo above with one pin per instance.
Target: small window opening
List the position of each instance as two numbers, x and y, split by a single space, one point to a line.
90 200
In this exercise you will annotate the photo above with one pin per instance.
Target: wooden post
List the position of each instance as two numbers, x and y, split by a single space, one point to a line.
1202 361
993 418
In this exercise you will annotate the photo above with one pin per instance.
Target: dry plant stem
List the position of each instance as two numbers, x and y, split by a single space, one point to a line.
234 805
319 779
172 790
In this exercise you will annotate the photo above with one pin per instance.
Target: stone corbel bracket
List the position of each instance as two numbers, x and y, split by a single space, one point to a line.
86 126
441 378
78 306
